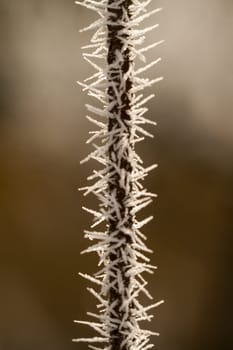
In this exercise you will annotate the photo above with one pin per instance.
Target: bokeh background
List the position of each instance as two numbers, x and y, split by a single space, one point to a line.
42 140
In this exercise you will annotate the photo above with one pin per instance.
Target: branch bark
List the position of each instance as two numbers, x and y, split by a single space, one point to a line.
120 99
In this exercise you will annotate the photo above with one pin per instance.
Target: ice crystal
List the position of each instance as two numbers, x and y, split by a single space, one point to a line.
121 248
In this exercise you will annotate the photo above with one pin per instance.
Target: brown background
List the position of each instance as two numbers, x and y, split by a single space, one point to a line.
42 140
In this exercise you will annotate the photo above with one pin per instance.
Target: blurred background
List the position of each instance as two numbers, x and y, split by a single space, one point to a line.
42 140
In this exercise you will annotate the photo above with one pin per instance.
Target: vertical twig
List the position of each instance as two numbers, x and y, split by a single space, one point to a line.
118 184
119 59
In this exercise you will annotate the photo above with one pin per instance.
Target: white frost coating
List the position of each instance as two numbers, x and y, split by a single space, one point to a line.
129 255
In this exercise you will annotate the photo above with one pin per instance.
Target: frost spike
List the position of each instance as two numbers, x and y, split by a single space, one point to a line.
118 184
91 340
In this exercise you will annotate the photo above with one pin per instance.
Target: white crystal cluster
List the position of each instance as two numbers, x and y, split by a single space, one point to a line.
117 84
